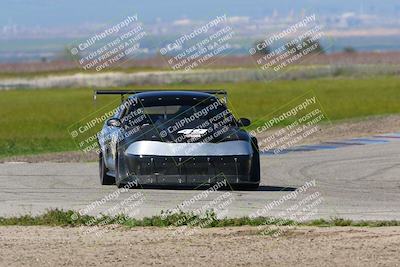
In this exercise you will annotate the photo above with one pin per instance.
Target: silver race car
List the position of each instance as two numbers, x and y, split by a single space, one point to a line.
176 138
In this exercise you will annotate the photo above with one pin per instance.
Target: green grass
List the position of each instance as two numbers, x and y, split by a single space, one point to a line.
36 121
71 218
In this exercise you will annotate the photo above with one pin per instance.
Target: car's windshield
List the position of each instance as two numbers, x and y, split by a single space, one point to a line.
212 111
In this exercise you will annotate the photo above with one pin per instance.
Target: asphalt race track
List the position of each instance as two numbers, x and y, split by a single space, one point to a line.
357 182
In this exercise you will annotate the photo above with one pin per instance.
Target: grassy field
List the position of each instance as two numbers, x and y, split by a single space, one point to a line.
36 121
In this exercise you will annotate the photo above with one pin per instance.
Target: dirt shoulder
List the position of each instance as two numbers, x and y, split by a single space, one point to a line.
237 246
336 131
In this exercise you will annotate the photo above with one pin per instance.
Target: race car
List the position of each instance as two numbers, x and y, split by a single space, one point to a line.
176 138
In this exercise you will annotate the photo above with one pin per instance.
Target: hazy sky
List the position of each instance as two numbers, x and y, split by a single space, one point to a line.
76 12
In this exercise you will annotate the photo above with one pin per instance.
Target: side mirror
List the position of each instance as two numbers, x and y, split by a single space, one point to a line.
114 122
243 122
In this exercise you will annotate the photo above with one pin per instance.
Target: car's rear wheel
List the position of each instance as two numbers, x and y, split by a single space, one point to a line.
104 178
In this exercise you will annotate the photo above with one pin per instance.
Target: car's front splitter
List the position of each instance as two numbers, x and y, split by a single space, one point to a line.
186 170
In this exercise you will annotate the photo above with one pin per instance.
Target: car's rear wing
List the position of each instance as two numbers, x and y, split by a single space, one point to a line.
131 92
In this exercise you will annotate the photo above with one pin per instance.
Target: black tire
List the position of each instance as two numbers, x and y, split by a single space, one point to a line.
104 178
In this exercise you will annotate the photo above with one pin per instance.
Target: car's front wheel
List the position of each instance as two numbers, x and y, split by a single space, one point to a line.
104 178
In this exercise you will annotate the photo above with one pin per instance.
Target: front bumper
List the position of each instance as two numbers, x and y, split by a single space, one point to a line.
178 170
